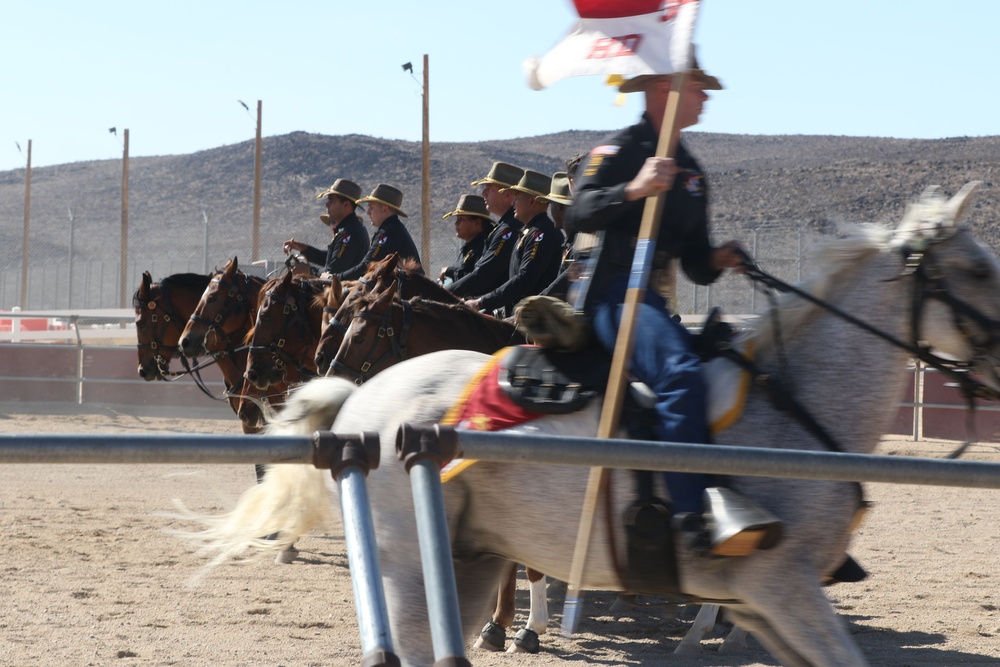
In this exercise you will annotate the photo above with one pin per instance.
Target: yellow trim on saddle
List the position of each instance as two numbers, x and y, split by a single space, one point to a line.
729 417
453 469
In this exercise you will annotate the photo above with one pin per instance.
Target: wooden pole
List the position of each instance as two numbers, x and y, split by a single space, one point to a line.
123 272
615 394
425 200
255 251
27 230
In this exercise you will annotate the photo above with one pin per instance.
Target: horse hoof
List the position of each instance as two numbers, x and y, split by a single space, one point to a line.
287 556
688 648
492 638
525 641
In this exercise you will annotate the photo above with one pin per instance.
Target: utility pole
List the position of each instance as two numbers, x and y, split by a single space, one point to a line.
123 271
27 229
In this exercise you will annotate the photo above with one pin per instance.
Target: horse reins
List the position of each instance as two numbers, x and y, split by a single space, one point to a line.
929 284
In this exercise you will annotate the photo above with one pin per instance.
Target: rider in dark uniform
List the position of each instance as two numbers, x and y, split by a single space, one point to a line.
538 251
610 189
350 239
473 225
391 235
493 268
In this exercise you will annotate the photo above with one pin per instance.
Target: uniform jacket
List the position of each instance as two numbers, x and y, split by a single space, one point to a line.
346 250
468 255
493 267
534 264
390 237
599 205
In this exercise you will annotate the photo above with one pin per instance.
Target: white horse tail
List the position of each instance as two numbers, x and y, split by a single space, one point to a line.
292 499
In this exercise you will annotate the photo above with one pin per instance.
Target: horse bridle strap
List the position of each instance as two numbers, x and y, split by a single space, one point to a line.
397 344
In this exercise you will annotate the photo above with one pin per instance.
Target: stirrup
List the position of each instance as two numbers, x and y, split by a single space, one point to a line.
737 526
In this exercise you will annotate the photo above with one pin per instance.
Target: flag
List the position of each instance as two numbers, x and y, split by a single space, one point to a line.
626 37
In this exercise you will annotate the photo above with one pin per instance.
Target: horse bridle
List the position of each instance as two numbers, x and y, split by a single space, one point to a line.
397 343
170 318
929 283
295 312
241 306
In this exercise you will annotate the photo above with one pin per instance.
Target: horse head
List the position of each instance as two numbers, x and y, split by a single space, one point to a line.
224 313
285 332
161 311
953 315
370 341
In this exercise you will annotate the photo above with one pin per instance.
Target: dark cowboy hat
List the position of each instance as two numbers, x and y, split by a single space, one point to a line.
343 188
470 205
503 174
533 183
559 191
637 83
388 195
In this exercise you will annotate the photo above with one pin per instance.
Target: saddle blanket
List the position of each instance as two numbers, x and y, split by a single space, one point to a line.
485 406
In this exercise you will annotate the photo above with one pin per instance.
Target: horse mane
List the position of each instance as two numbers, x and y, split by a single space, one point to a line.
833 259
192 281
482 324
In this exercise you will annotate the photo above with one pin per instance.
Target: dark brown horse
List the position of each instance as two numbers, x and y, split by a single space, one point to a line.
410 282
285 332
161 311
386 329
218 327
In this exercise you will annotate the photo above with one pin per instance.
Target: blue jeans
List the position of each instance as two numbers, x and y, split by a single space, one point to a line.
663 360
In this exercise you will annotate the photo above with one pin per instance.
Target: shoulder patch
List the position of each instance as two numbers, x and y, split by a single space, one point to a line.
606 149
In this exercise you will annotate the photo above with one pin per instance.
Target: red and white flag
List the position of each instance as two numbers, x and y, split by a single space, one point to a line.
627 37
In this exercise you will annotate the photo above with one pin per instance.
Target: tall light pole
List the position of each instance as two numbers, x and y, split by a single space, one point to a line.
27 229
255 244
425 184
123 271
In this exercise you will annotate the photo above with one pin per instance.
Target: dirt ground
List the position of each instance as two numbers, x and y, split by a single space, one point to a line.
90 577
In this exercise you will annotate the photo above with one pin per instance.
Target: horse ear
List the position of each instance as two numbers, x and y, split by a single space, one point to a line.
147 281
385 297
959 204
235 262
287 280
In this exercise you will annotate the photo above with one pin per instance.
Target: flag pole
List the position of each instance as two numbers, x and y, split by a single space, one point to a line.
615 394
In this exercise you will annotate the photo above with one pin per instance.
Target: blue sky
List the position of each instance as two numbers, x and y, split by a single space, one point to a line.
172 72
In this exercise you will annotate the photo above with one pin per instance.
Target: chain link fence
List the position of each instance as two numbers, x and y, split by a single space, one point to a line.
58 279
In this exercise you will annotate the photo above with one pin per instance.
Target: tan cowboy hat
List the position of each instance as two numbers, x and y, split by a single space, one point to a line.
559 192
637 83
501 173
533 183
343 188
470 205
388 195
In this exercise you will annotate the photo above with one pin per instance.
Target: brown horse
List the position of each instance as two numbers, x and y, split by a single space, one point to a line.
161 311
386 328
285 332
218 327
410 282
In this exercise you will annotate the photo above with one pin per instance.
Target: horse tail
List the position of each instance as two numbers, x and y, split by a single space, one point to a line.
291 500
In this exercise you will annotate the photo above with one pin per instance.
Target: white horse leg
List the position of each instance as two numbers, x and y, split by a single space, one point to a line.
703 624
526 639
538 616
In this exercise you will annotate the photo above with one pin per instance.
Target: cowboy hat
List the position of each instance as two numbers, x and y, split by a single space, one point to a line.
637 83
533 183
503 174
342 188
388 195
470 205
559 192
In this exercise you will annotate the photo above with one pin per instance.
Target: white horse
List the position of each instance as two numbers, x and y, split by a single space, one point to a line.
849 380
